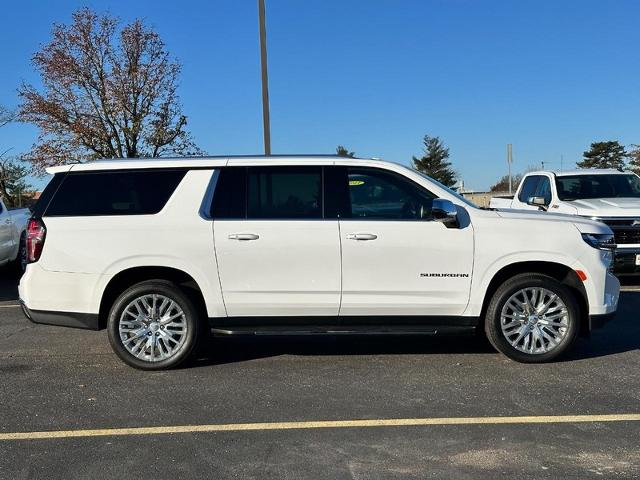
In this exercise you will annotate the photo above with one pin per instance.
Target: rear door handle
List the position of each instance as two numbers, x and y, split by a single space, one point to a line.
244 236
361 236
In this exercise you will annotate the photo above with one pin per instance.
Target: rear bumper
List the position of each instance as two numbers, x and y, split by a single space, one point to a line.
599 321
88 321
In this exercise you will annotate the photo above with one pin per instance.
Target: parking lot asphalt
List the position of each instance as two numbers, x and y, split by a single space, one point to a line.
57 379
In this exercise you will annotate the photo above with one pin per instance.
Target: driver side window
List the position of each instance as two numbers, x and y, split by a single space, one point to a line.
377 194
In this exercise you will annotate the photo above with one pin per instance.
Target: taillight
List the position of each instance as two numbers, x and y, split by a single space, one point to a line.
36 233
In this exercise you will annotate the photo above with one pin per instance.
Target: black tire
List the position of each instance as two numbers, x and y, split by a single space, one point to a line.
493 328
167 289
20 263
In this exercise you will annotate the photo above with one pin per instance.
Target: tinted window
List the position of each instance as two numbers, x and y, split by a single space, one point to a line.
134 192
47 194
529 188
284 192
229 198
376 194
575 187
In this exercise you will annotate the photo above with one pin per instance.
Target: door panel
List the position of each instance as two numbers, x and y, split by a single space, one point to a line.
410 268
291 268
6 235
396 260
276 255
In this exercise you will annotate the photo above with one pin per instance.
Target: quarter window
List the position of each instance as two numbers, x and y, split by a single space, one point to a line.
133 192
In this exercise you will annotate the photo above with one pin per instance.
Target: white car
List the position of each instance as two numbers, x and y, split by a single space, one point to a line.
609 196
13 225
159 251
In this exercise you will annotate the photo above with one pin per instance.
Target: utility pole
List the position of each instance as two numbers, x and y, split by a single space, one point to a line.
265 81
509 162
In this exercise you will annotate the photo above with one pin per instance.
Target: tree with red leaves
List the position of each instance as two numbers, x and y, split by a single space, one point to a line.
107 93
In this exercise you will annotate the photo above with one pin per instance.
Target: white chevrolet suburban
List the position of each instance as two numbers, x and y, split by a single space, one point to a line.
609 196
160 252
13 225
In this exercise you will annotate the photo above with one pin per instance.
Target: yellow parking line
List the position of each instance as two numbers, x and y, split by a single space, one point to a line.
9 306
396 422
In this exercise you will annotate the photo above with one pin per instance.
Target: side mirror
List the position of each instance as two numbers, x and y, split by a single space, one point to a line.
539 202
444 211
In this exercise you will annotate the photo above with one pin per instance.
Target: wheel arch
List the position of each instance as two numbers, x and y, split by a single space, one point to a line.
130 276
564 274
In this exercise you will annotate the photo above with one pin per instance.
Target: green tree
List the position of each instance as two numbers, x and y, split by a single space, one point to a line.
342 151
434 161
13 173
634 159
608 154
13 181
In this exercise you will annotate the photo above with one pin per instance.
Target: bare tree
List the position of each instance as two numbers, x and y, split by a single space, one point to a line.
107 93
6 116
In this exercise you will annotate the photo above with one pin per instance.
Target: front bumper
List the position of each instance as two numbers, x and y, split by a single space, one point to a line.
63 319
625 261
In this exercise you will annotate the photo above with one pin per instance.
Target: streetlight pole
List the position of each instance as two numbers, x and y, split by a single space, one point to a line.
265 81
509 162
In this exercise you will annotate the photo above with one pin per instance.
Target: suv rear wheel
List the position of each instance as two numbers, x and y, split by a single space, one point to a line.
532 318
153 325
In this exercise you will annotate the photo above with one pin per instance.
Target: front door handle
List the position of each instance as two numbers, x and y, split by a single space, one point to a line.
244 236
361 236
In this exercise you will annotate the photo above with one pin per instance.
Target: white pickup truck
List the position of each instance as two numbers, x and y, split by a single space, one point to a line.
13 224
609 196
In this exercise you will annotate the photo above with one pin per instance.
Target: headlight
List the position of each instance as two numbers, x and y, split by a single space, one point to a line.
601 241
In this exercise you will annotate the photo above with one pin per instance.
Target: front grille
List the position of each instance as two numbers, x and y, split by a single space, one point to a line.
626 235
625 230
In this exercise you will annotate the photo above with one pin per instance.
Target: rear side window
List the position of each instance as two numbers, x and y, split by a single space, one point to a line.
284 193
229 198
529 188
133 192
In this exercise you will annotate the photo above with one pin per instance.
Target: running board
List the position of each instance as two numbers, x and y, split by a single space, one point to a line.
287 330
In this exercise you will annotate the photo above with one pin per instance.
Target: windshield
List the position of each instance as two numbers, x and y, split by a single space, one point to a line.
577 187
452 192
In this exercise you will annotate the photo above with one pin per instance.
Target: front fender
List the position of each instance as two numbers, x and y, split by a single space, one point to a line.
480 282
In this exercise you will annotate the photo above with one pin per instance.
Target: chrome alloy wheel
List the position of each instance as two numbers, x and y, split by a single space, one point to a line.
534 320
153 327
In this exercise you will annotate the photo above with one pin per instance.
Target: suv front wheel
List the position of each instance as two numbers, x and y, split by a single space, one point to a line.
532 318
153 325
